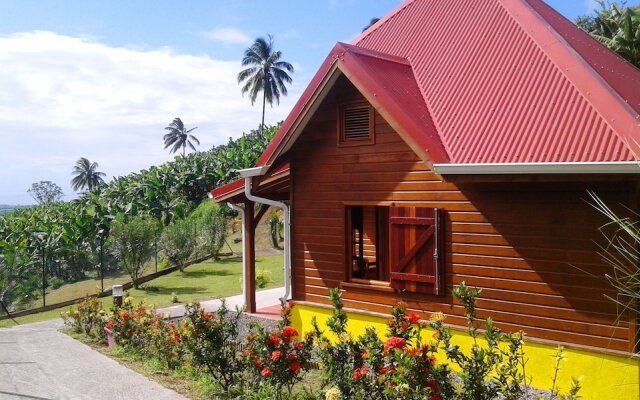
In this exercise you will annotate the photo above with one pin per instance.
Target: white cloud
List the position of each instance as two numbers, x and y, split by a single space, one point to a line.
229 36
63 97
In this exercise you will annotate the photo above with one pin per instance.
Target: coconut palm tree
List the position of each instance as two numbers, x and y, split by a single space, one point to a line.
265 73
86 175
179 136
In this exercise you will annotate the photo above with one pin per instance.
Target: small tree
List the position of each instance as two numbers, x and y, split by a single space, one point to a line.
179 241
213 228
45 192
132 243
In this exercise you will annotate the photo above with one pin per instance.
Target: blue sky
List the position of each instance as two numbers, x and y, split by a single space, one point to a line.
101 79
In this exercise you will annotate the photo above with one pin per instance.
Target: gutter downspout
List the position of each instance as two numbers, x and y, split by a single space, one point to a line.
244 257
248 174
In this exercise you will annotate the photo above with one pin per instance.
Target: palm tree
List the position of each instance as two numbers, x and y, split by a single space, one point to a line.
179 136
87 175
266 73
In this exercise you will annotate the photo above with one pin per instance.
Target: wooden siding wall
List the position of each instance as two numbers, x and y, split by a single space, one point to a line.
528 245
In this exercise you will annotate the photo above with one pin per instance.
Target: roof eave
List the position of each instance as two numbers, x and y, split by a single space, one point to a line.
623 167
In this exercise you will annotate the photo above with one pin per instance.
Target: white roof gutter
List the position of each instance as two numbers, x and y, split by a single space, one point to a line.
247 174
623 167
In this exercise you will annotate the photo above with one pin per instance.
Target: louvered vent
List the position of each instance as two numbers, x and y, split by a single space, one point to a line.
356 124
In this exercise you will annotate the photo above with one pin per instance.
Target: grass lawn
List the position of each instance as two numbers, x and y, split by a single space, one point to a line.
203 281
206 280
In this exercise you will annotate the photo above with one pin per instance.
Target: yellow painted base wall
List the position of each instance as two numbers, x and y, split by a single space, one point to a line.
604 376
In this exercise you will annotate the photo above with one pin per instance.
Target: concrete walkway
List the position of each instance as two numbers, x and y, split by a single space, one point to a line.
264 298
39 362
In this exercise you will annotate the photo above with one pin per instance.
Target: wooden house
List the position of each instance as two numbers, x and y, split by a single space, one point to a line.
456 141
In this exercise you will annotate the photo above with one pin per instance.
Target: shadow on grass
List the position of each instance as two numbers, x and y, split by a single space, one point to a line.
169 290
229 260
202 274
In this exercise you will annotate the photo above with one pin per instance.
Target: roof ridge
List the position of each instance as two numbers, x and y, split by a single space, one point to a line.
382 21
593 86
584 61
374 54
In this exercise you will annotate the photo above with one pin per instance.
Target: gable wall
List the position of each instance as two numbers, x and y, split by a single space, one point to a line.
514 240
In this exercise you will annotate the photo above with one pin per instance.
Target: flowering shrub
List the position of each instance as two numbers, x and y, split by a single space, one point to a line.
87 318
165 342
402 367
279 358
340 359
130 325
212 341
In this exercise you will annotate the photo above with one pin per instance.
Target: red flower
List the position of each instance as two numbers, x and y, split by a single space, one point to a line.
294 367
208 315
289 332
433 385
266 372
414 318
124 314
246 352
394 343
273 340
110 325
414 351
359 373
292 356
276 355
298 346
258 363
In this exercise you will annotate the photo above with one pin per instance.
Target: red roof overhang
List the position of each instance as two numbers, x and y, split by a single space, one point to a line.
275 180
387 82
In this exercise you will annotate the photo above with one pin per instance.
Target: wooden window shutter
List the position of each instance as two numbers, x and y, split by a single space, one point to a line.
416 261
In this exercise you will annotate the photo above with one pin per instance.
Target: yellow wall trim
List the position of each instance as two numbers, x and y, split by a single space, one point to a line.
605 376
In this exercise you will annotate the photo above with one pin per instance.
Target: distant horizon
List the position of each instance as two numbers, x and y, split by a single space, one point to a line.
97 80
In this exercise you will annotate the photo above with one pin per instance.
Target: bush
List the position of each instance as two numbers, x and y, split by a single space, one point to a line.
212 340
212 221
55 282
87 318
178 242
277 358
132 243
402 367
130 325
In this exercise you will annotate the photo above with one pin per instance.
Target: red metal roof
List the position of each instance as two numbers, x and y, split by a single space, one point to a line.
388 83
236 188
507 87
501 81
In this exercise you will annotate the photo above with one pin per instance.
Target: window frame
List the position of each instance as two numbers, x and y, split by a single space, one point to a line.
351 282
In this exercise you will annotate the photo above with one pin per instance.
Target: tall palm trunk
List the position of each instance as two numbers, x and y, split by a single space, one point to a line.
264 103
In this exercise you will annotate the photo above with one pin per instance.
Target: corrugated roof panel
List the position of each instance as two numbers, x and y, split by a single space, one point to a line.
494 93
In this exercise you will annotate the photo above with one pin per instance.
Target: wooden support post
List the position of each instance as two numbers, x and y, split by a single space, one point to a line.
250 256
259 215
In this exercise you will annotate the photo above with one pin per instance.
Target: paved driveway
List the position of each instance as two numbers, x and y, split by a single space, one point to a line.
39 362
